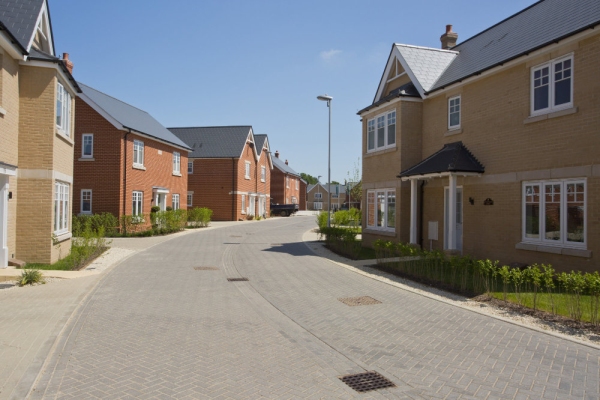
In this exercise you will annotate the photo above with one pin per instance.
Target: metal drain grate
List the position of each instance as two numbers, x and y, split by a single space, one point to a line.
237 279
367 381
359 301
206 268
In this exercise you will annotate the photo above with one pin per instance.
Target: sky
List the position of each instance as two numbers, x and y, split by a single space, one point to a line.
260 63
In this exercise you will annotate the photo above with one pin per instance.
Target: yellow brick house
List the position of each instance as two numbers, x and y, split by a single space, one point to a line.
489 147
36 136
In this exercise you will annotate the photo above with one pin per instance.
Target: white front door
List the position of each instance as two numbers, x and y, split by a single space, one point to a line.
459 218
261 206
252 208
161 201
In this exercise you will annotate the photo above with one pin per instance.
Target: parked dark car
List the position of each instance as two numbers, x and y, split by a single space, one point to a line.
284 210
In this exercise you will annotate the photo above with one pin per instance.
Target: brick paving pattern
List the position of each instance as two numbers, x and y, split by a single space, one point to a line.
157 328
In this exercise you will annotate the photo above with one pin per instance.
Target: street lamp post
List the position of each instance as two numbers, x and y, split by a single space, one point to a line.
328 100
319 191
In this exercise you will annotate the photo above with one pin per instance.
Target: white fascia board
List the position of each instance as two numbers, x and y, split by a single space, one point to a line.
42 15
53 65
386 72
411 75
393 101
8 46
440 175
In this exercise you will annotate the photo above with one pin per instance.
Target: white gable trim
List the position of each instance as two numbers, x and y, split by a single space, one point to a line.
396 55
410 73
48 33
267 150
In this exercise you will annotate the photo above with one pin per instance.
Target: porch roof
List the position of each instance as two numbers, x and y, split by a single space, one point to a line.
452 158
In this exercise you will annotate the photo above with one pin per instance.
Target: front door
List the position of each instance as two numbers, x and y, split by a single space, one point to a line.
261 206
459 218
252 208
161 201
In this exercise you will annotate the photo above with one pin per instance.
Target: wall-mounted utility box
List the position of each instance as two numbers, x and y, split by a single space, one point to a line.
433 230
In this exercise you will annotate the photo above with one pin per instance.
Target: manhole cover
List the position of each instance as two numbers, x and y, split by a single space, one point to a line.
237 279
206 268
359 301
366 381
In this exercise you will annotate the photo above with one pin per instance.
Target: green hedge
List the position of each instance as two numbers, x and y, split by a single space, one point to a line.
199 217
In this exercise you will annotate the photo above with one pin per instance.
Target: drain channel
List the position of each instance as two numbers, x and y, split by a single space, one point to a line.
237 279
367 381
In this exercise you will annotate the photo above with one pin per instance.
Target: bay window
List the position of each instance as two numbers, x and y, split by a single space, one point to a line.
61 207
381 132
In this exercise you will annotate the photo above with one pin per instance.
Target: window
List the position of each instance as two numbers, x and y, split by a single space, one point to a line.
294 200
61 207
87 145
138 198
63 110
263 174
318 195
176 163
138 153
454 112
318 205
175 202
381 209
297 184
287 182
243 204
190 167
381 132
552 86
554 212
247 170
189 199
86 201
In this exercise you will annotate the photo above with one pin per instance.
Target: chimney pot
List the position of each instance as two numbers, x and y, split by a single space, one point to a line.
286 162
277 153
68 63
449 38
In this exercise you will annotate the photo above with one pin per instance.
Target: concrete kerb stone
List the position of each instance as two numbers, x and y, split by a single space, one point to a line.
310 237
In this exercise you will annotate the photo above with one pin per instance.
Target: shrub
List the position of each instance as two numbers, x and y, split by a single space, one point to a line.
107 221
322 219
168 221
342 240
168 208
134 223
199 216
31 276
154 209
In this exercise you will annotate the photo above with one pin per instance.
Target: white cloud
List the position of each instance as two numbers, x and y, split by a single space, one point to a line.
330 55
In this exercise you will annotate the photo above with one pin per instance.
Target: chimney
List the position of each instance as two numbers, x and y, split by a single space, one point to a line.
68 63
286 163
449 38
277 153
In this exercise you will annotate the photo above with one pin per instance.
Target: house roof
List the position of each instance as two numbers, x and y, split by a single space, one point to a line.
20 18
537 26
324 186
279 164
214 141
453 157
406 90
260 142
425 64
128 116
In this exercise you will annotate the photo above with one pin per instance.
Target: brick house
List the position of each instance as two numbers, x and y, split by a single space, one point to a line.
318 199
285 183
125 160
36 136
226 172
489 147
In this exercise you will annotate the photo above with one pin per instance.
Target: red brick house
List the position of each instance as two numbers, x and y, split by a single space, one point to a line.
286 185
229 171
125 160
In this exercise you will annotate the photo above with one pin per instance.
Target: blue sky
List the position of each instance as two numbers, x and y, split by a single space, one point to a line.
259 63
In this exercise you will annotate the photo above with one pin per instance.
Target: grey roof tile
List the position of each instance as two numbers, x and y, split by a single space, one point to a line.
534 27
131 117
453 157
19 17
260 142
425 63
214 141
278 163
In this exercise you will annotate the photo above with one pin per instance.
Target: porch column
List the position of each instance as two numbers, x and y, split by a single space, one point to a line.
413 211
3 221
452 213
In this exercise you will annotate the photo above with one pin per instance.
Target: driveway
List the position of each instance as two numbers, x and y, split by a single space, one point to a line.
167 323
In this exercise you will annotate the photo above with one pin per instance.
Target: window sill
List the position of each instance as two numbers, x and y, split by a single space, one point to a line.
138 166
452 132
552 114
382 151
262 180
65 138
86 159
176 174
247 178
379 232
61 237
565 251
2 111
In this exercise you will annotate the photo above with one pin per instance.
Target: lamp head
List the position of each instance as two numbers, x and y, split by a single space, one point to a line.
325 98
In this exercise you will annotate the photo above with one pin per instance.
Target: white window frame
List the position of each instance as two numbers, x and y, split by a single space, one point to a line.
263 174
137 198
63 107
61 207
190 167
138 153
372 127
176 163
452 110
318 205
190 199
175 204
297 184
287 182
243 204
83 138
551 95
247 170
386 192
318 195
83 193
562 242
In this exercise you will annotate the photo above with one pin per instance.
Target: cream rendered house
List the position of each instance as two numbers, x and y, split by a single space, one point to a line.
36 136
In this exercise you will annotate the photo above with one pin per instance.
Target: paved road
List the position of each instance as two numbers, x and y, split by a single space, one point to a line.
157 328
